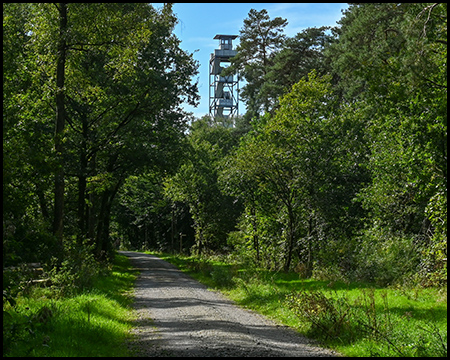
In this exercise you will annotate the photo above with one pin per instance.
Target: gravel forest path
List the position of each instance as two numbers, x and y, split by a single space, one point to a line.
178 316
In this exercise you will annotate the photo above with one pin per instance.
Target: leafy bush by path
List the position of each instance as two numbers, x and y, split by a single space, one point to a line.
94 322
354 318
336 319
78 271
222 276
328 318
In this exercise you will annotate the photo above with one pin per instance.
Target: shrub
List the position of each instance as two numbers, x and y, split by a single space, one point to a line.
328 317
222 276
328 272
386 258
25 327
77 271
338 319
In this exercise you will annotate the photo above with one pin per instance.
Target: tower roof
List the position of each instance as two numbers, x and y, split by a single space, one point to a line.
219 36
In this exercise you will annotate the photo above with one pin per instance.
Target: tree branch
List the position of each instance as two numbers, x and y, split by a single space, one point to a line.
430 9
434 83
79 46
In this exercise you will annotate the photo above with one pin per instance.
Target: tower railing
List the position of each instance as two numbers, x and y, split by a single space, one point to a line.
223 90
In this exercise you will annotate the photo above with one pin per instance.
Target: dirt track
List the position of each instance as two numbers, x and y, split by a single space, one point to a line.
178 316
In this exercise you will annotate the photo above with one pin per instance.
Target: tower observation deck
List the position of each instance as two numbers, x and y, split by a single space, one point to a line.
223 90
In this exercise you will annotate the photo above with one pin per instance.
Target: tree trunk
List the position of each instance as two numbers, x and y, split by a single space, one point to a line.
103 226
58 221
102 239
199 236
42 204
82 220
310 240
255 233
291 224
92 199
82 184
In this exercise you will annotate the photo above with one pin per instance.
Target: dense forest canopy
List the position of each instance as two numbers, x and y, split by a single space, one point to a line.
339 164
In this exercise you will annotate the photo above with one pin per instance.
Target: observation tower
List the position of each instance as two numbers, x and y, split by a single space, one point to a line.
223 90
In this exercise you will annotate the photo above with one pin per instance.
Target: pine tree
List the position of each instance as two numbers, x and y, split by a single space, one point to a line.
260 38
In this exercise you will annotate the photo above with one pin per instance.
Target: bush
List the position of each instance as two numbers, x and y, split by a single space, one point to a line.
222 276
25 327
78 270
338 319
327 317
386 258
328 272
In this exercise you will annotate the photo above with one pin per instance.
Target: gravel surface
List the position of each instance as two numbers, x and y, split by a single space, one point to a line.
178 316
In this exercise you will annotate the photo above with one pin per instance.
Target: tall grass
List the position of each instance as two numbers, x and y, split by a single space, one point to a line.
354 318
95 322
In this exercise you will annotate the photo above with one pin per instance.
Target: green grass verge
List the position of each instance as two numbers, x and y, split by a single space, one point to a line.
93 323
355 319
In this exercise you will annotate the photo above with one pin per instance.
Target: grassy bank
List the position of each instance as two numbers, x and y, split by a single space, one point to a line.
356 319
93 323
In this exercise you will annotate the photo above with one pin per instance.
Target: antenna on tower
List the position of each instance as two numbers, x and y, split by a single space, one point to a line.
223 90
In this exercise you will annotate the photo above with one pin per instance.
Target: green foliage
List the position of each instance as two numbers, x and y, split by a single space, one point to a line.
93 323
355 159
196 184
121 81
434 263
143 213
297 57
222 276
287 171
328 317
354 318
338 170
406 130
77 272
385 258
260 37
368 319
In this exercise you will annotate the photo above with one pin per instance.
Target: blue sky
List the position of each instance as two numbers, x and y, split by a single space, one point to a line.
200 22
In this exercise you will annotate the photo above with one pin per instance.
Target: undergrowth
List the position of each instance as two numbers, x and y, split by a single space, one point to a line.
57 321
334 319
354 318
